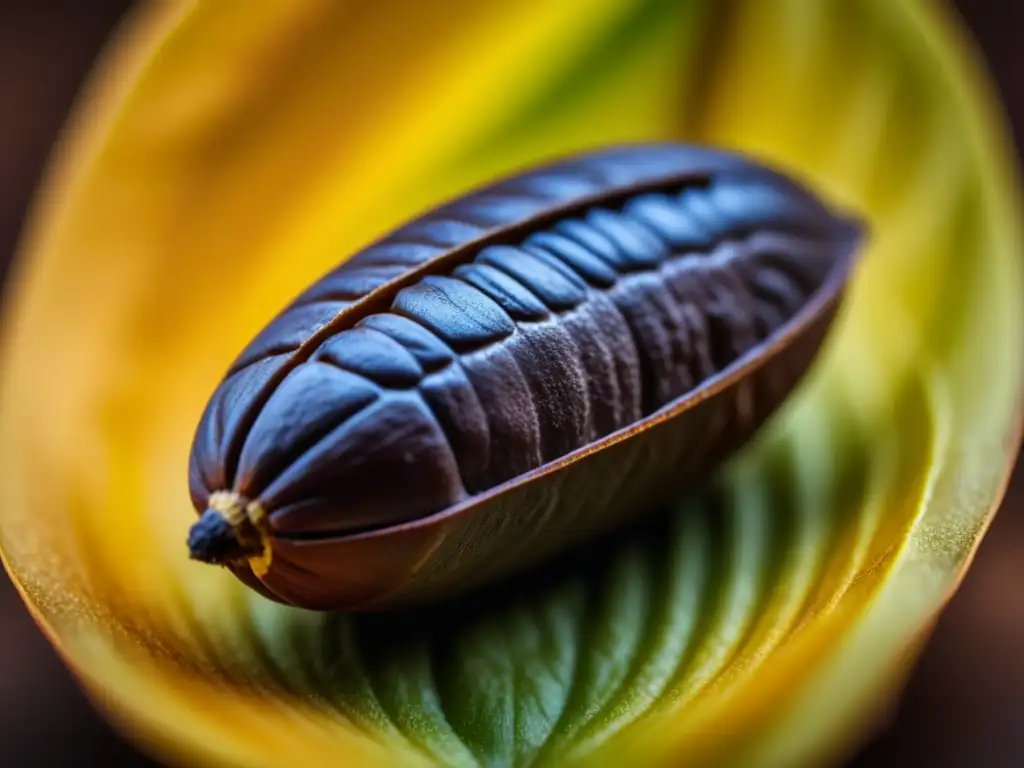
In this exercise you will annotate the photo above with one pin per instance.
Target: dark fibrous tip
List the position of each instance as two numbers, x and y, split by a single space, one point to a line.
212 540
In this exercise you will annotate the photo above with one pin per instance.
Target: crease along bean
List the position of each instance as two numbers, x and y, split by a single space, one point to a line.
463 397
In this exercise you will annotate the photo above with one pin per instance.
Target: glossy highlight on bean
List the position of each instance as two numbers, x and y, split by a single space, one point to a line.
521 369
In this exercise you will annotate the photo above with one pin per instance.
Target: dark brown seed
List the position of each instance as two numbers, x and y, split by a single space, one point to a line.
521 369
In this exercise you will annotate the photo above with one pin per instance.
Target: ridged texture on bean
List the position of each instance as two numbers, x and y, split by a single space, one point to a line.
517 355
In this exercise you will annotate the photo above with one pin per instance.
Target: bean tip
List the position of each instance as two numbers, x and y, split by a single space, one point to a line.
212 539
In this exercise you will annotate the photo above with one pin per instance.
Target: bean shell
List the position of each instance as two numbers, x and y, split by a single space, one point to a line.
517 371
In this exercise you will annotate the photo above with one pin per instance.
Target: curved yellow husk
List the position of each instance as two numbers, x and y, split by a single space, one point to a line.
224 157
